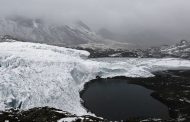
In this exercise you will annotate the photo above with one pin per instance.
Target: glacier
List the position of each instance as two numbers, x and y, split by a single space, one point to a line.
38 75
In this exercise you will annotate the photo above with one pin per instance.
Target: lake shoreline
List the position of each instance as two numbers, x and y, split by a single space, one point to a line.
162 84
171 88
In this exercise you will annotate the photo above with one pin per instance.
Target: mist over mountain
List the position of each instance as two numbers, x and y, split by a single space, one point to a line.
53 51
142 22
77 34
106 33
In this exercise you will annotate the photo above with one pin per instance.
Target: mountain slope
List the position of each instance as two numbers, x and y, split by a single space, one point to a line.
179 50
35 30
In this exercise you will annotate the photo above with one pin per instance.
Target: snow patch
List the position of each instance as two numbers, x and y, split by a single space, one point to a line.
69 119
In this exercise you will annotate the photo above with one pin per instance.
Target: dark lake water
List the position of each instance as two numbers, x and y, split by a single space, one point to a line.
116 99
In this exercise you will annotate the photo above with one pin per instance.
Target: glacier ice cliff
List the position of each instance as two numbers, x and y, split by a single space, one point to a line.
37 75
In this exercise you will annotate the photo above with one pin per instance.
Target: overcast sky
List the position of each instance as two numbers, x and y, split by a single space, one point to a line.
138 21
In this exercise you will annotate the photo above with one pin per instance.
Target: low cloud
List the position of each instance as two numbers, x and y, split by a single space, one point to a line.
136 21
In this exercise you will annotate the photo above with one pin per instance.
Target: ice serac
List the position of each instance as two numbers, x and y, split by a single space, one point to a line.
37 75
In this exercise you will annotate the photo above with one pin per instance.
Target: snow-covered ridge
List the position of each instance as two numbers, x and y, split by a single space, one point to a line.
36 75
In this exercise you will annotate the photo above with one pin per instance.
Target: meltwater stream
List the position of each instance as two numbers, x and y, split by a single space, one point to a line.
116 99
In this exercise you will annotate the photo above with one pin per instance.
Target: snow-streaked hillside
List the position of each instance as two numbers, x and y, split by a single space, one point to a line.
181 49
34 75
67 35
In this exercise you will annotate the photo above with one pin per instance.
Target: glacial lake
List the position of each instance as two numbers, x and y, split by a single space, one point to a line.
116 99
